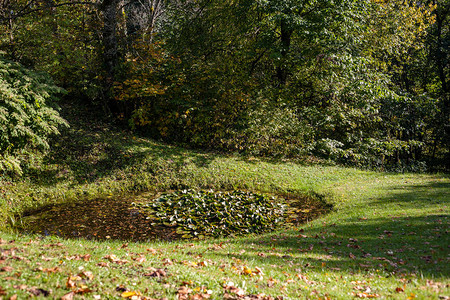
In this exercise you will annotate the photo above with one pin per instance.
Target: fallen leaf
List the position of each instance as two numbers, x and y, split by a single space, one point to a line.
140 259
366 295
235 290
85 257
203 264
103 264
157 273
258 271
87 274
121 289
247 271
6 269
50 270
216 246
71 281
271 282
129 294
183 293
38 291
20 287
114 259
82 290
47 258
68 296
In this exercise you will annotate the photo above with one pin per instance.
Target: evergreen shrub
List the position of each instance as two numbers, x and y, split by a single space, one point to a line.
27 114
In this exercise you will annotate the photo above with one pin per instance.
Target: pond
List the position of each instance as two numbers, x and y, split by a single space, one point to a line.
98 219
120 219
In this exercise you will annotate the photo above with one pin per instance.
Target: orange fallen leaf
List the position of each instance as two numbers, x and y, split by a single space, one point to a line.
366 295
247 271
49 270
258 271
203 264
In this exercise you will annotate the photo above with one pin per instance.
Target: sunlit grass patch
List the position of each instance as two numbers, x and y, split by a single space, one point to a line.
386 236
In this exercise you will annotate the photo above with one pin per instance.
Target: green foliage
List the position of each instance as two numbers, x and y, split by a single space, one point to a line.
209 213
315 78
61 41
27 117
271 131
360 82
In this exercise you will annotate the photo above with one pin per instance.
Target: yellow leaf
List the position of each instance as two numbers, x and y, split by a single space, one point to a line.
129 294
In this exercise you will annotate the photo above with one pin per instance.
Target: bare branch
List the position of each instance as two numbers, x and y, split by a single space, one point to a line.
9 14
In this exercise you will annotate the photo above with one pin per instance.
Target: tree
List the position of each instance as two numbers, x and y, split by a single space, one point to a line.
364 82
27 114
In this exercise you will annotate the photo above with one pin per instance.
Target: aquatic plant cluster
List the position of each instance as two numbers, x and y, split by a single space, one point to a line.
209 213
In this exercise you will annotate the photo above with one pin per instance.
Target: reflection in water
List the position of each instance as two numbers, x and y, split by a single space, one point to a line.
95 219
118 219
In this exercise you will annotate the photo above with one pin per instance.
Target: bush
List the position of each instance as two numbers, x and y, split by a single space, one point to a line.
27 117
272 131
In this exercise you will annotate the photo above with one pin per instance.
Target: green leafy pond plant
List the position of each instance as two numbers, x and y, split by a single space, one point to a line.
197 214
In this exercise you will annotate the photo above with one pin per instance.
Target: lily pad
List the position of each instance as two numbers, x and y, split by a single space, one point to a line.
209 213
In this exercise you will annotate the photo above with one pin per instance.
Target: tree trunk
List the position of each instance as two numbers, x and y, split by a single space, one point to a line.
282 71
110 52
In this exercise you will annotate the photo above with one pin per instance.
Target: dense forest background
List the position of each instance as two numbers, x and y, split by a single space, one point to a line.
365 83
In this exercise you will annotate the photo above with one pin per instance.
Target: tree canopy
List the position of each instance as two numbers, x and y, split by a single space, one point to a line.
358 82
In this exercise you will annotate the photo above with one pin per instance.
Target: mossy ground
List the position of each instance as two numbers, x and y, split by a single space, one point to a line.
386 237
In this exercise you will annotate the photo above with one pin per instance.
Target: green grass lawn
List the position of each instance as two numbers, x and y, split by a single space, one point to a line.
386 236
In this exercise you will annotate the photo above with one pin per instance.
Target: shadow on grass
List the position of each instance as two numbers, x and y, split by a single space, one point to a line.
399 243
92 149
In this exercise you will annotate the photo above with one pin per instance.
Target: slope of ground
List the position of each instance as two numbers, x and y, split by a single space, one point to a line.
386 237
